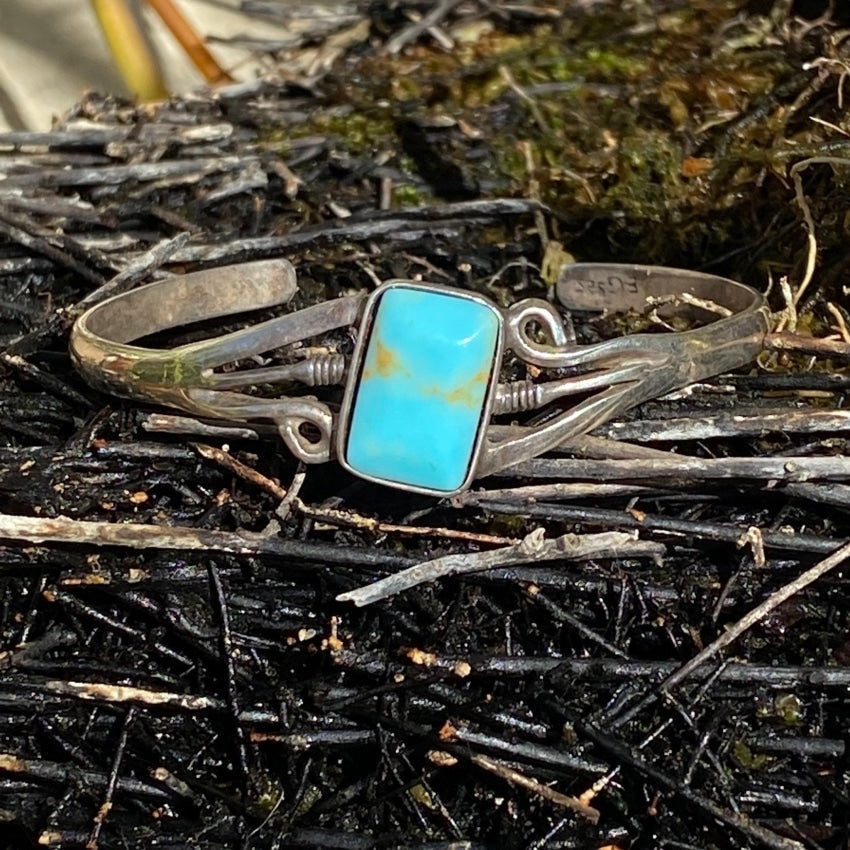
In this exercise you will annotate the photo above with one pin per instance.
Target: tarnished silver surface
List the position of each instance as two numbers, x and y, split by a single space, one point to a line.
611 376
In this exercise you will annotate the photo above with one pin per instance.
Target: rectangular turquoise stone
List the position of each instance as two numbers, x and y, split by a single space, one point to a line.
424 381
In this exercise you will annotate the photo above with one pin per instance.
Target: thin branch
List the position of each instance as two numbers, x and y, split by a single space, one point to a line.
410 33
720 531
139 268
757 614
687 468
725 423
517 778
737 823
819 347
533 548
146 537
105 807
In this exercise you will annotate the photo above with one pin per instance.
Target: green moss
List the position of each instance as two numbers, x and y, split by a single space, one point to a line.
358 131
635 122
268 791
746 758
789 709
276 138
612 62
407 196
649 181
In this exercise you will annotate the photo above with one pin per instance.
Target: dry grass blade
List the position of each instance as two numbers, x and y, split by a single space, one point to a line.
130 49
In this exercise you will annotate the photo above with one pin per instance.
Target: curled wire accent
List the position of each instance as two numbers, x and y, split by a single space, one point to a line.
325 370
315 448
517 396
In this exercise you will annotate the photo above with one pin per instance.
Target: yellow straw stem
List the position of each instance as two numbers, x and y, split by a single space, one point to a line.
130 49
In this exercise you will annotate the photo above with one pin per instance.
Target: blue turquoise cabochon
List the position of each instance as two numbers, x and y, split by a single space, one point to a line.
424 380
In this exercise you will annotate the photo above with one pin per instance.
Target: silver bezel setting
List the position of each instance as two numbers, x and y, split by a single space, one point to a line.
364 331
728 321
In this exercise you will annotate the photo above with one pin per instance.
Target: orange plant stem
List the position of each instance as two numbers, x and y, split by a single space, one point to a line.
190 41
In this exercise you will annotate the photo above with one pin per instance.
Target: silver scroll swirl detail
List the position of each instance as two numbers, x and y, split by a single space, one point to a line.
604 379
614 370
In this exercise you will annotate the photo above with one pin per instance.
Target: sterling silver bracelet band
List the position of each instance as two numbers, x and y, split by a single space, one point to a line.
423 407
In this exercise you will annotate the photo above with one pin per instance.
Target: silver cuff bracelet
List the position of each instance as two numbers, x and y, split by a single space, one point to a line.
423 406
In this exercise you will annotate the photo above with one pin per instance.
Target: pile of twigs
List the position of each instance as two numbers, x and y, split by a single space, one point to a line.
641 640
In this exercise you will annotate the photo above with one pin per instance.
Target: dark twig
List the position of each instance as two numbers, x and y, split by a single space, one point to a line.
560 615
819 748
739 824
229 676
139 268
705 426
401 224
51 383
112 781
558 757
792 541
756 615
686 468
318 738
11 228
63 775
612 670
825 494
